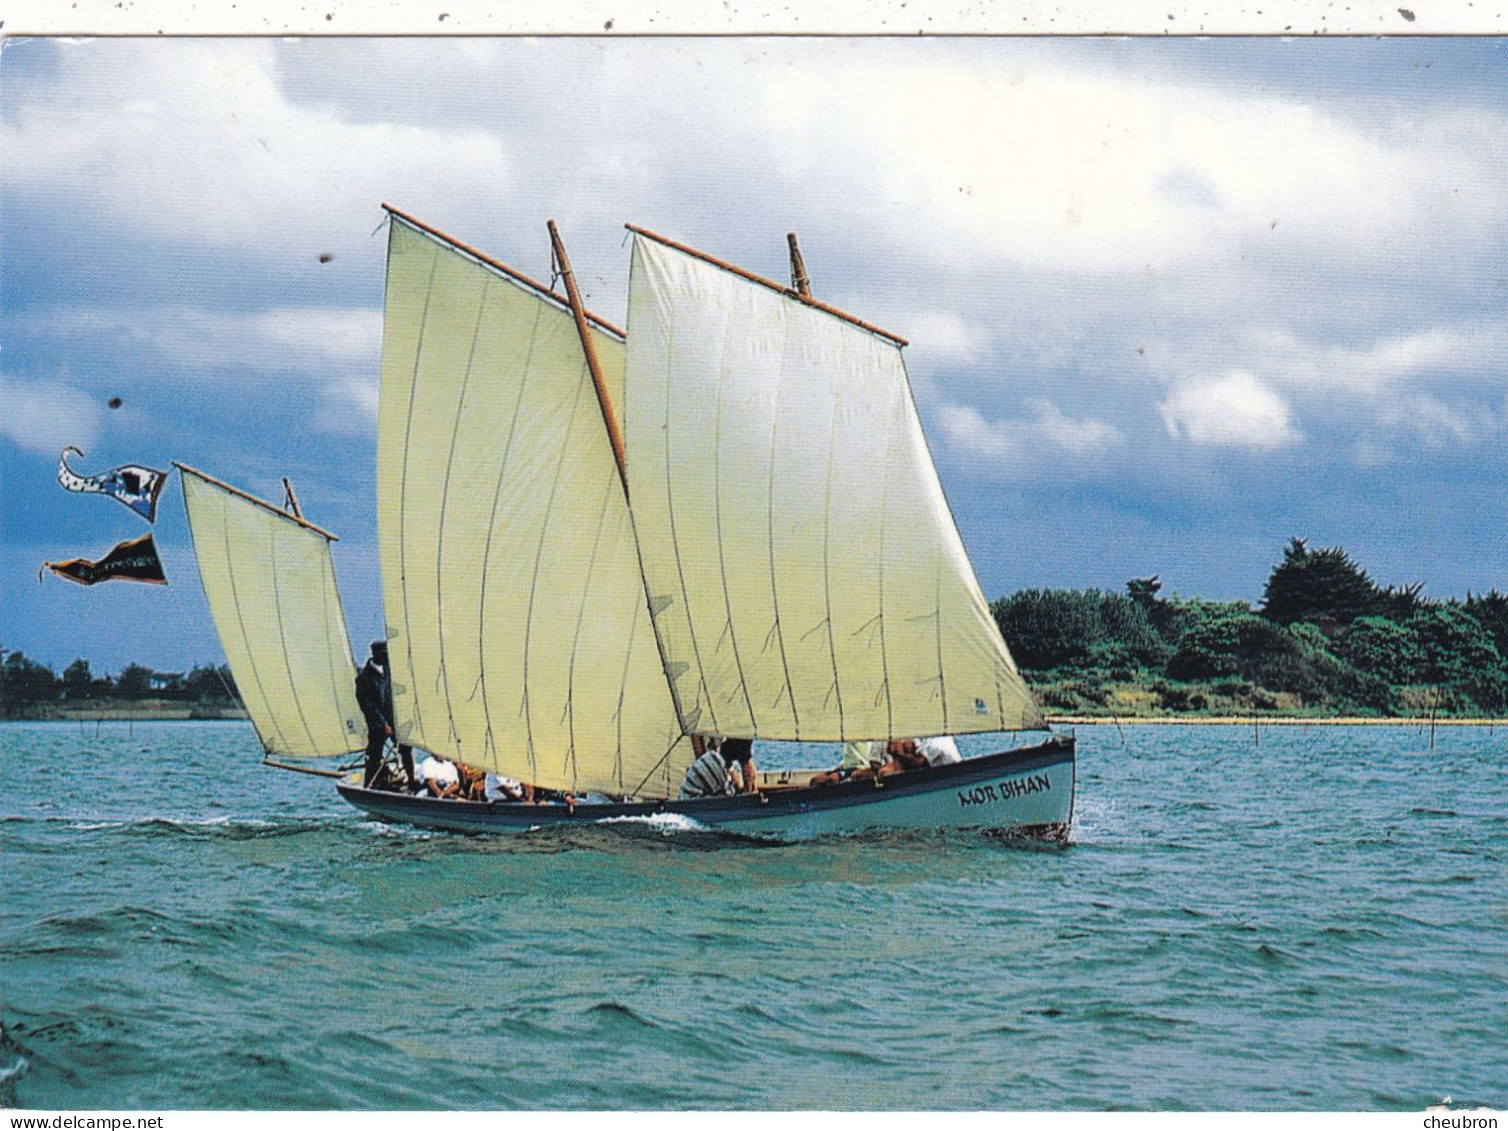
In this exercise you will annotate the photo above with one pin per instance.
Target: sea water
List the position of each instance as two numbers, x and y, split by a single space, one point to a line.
1290 918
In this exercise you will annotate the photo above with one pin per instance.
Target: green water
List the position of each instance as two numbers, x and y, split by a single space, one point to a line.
1317 921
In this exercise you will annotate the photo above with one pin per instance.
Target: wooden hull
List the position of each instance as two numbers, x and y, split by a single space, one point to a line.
1027 792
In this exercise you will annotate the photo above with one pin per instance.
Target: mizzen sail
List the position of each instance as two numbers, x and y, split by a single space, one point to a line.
806 577
518 630
270 582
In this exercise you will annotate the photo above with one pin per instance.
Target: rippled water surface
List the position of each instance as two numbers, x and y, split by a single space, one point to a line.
1318 919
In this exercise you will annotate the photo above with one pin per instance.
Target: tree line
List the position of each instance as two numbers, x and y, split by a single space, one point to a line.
1325 639
26 685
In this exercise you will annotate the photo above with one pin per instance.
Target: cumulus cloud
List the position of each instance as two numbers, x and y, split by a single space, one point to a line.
1090 171
294 339
348 406
1019 444
1388 362
1236 410
44 417
195 141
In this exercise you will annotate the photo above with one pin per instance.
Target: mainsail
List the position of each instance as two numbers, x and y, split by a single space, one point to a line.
518 630
806 577
271 588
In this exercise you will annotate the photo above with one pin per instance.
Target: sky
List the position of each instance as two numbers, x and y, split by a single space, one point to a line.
1171 302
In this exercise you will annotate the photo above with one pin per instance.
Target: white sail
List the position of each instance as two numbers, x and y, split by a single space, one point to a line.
270 583
805 574
518 630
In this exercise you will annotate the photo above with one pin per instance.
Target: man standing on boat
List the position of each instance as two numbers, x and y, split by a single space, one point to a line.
374 695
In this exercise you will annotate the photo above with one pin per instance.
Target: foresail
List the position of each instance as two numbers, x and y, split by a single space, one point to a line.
518 630
270 582
806 577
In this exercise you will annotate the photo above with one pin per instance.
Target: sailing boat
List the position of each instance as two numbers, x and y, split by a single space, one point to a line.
763 551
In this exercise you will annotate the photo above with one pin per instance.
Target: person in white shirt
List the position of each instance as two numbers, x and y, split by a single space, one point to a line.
863 760
939 751
497 787
440 778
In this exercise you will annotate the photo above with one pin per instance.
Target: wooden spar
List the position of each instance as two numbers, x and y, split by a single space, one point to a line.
590 349
292 500
799 280
516 276
303 769
789 292
279 511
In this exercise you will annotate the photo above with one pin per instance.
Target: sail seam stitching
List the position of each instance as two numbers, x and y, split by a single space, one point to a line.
497 495
408 436
680 567
717 510
591 567
777 628
539 550
277 601
827 522
235 600
455 431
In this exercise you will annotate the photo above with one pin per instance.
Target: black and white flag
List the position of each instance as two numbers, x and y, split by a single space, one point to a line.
136 487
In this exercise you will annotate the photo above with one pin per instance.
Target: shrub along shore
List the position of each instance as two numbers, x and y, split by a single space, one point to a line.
1326 642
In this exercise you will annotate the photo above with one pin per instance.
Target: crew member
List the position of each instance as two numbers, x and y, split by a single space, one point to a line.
374 695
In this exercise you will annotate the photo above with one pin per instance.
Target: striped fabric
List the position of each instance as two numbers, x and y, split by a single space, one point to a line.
707 777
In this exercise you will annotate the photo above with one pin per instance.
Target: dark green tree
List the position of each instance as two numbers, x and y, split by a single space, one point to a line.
1383 649
1324 587
208 685
135 682
78 680
23 682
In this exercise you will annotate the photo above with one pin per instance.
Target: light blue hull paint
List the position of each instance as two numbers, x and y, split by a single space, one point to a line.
1028 791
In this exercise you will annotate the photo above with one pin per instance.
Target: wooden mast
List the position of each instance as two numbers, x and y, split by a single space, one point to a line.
614 435
573 296
799 280
290 500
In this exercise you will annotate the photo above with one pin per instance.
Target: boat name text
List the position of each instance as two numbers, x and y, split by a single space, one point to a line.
1005 790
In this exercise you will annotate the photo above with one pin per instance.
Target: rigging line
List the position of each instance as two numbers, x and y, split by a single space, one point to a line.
628 656
408 438
776 627
717 511
586 588
539 553
675 545
497 498
661 761
277 604
450 460
256 674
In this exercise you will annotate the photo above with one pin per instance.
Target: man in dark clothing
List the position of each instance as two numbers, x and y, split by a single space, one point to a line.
374 695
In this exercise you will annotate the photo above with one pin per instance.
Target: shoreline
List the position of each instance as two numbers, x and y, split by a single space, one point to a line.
153 714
